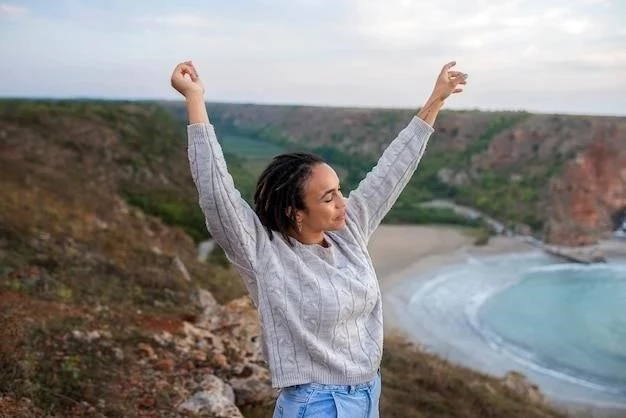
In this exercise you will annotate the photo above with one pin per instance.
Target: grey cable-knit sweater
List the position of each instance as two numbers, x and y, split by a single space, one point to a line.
320 307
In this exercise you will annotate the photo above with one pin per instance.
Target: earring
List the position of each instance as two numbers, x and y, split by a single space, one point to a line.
299 227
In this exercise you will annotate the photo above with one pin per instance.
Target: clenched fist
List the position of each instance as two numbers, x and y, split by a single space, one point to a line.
186 81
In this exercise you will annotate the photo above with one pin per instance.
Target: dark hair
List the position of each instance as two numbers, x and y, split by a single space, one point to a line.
281 188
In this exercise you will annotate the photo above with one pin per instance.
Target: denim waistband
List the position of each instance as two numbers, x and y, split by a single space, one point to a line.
341 388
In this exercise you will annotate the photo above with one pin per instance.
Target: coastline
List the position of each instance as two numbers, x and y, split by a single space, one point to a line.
404 254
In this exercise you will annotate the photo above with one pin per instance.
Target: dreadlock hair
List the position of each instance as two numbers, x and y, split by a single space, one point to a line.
280 191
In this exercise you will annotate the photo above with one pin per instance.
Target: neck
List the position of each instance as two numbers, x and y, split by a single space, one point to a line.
310 238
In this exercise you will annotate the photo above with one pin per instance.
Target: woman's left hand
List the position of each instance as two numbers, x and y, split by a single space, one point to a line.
448 82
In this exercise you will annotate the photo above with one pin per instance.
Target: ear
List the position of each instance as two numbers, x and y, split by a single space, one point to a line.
299 213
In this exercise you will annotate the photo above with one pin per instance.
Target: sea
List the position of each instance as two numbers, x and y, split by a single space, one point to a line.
563 325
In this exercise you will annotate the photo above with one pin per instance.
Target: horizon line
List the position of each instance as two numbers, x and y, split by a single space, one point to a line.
312 105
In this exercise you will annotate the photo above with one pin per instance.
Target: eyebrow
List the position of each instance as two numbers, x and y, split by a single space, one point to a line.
328 191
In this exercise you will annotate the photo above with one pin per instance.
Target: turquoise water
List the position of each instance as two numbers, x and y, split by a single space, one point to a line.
562 325
566 318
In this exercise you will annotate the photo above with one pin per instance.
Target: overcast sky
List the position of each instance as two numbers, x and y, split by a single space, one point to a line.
566 56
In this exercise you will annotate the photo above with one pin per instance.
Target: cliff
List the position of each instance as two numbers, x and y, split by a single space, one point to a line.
106 310
558 176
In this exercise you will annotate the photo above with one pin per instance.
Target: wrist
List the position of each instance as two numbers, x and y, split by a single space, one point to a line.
435 101
428 112
194 96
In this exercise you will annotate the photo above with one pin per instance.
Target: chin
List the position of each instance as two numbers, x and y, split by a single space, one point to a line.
337 225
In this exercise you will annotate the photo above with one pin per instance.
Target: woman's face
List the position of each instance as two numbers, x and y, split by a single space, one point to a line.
325 205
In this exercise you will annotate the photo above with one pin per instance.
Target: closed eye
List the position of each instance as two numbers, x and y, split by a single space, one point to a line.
332 196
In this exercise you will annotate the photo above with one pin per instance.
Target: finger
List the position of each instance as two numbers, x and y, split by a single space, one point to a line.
179 68
457 90
187 69
456 73
448 66
193 69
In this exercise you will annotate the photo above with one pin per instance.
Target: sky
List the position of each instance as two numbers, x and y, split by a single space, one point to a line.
548 56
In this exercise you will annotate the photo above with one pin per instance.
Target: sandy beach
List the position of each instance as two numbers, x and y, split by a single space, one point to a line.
403 252
400 251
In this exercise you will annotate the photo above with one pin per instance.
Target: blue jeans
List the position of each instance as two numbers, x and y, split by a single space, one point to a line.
329 401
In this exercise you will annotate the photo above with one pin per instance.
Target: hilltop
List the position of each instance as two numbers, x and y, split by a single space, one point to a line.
106 309
558 177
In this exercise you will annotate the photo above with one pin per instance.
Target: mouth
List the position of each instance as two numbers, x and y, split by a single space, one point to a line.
341 217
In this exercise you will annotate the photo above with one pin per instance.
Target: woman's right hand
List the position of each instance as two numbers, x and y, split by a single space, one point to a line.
186 81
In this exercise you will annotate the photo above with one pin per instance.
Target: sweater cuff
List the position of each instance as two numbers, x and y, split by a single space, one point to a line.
418 127
196 130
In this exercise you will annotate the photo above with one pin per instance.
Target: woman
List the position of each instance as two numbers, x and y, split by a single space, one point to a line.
302 253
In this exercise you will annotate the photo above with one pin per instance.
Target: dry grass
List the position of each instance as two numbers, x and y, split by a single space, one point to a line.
76 258
418 384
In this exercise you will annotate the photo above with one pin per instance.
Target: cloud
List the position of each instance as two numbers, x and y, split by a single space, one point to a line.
12 11
178 20
355 52
574 26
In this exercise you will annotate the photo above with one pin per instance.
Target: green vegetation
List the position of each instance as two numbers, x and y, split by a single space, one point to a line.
86 280
481 235
504 199
403 212
76 372
248 147
257 142
171 208
153 134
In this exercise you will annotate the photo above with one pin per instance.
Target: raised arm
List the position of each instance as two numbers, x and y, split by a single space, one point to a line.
229 218
373 198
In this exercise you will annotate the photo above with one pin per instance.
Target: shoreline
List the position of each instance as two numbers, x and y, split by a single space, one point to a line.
406 255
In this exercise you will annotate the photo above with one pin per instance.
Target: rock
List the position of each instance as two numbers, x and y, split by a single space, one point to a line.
100 224
597 256
166 365
215 405
147 402
181 267
214 384
146 350
163 339
240 321
198 338
519 384
119 353
216 399
90 336
210 309
220 360
590 190
199 355
256 388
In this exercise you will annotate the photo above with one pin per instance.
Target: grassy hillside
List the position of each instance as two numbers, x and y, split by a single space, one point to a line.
88 276
514 166
353 139
254 147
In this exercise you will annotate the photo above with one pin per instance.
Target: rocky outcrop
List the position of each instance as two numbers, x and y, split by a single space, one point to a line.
584 201
569 168
519 384
216 399
229 336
